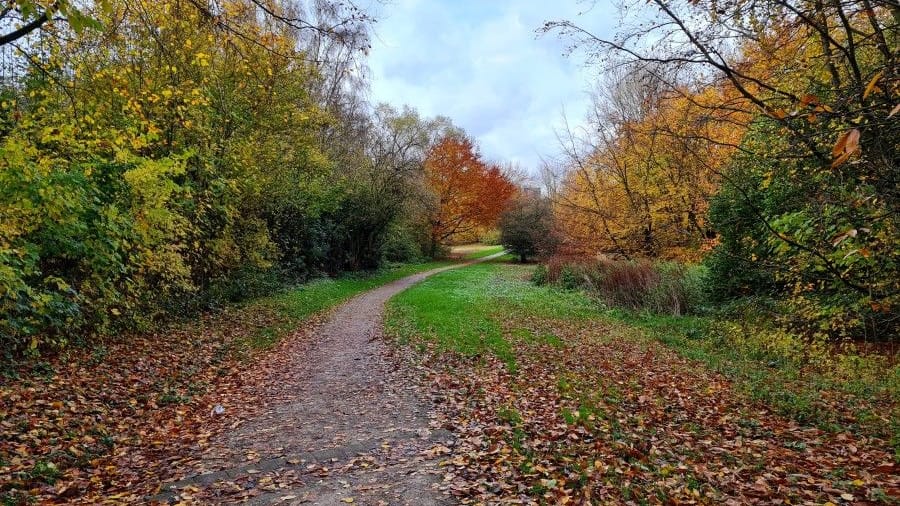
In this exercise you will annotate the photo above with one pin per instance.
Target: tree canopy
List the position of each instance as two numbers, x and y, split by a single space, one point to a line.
165 156
779 118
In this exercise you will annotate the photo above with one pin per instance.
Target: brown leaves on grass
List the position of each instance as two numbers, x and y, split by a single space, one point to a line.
111 423
615 418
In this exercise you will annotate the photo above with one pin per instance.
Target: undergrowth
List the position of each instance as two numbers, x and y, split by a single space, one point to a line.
660 287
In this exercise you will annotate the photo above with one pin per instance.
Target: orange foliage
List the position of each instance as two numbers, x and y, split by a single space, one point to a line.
469 193
644 190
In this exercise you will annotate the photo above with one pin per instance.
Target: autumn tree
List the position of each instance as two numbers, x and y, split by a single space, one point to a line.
179 154
387 186
630 184
809 198
466 191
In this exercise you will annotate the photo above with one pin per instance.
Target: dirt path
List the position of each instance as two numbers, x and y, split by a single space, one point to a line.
350 428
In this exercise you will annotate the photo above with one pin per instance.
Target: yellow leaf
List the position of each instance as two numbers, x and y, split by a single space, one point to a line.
872 85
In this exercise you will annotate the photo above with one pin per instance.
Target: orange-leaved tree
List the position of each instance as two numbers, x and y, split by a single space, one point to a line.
639 184
467 191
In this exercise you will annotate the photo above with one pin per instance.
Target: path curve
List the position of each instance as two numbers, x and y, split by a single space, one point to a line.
352 412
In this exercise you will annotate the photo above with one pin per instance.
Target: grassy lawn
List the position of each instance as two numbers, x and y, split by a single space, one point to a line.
462 310
317 295
579 399
473 251
487 251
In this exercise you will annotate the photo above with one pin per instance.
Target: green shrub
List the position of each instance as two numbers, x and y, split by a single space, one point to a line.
832 260
540 276
527 228
569 278
401 245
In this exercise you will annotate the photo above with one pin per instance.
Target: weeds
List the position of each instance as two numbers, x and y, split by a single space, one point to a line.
45 471
662 287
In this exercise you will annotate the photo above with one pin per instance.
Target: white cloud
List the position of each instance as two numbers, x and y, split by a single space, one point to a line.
482 64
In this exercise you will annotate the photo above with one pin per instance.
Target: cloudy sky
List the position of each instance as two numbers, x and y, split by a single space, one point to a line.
481 63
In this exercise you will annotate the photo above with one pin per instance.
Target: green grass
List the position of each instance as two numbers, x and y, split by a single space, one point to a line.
321 294
487 251
784 379
462 310
296 305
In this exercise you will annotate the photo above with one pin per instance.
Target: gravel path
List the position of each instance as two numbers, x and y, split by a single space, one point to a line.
352 429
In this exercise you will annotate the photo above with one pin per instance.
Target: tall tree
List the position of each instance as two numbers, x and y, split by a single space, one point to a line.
812 188
638 181
467 192
527 227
